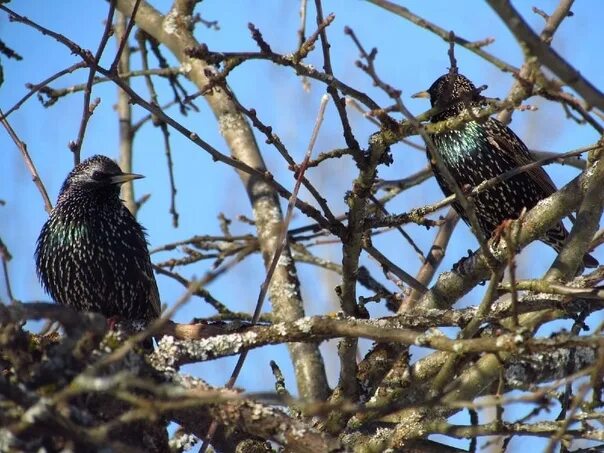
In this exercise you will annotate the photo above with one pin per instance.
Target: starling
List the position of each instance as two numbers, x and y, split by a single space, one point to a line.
92 253
483 149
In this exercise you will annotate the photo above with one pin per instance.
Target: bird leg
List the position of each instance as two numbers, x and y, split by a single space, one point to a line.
462 265
113 321
499 231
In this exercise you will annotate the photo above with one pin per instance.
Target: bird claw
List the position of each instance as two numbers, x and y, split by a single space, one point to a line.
113 321
462 265
499 231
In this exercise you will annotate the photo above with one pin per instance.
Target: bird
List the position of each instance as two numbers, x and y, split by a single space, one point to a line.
483 149
92 254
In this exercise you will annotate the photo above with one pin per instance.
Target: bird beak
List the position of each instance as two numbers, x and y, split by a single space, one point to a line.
421 94
124 177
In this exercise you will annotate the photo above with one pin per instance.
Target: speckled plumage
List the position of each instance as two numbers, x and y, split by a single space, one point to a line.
480 150
92 253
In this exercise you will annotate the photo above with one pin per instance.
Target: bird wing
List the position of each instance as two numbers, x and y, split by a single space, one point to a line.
149 279
145 272
509 144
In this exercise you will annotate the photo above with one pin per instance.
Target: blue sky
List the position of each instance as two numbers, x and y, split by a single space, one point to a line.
409 58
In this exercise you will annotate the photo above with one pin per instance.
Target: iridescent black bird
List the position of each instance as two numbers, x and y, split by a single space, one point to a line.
480 150
92 253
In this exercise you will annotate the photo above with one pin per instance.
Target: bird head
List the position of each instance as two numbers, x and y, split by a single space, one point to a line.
450 89
97 174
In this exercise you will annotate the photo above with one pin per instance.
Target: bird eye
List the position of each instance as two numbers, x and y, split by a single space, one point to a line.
98 175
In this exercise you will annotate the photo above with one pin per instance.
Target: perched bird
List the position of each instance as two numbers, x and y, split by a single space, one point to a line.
482 149
92 253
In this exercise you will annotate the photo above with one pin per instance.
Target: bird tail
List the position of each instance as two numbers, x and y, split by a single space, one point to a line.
556 237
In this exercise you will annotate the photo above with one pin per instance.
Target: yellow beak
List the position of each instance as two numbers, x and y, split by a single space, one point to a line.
124 177
421 94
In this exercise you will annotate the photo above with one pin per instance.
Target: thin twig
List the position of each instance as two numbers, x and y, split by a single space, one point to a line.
88 109
142 38
389 266
124 38
443 33
351 141
37 87
28 162
403 233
